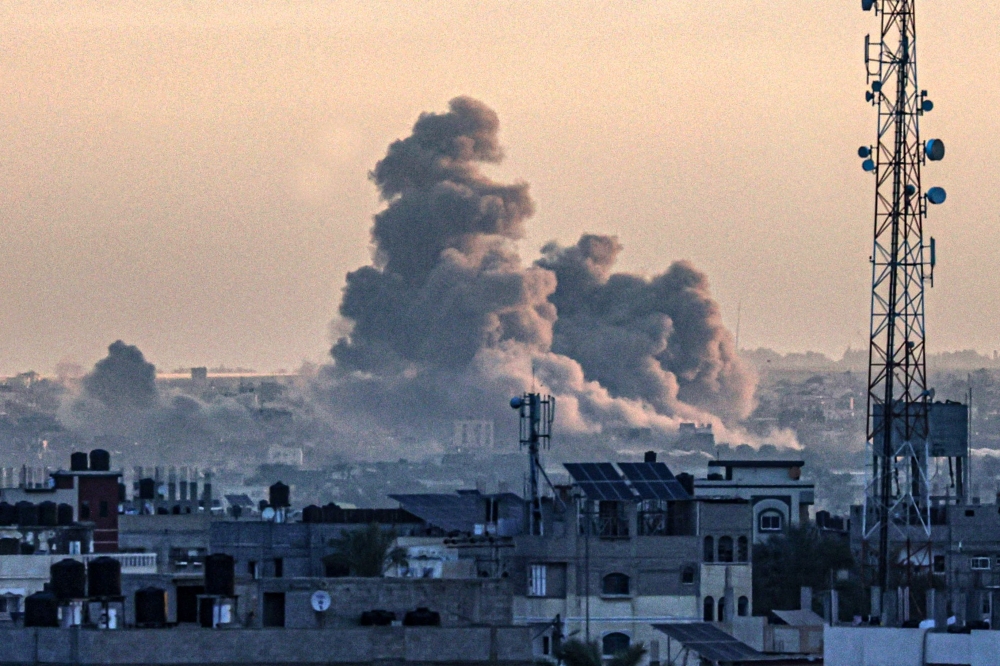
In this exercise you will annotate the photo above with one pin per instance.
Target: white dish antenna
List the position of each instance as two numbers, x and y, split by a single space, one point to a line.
320 600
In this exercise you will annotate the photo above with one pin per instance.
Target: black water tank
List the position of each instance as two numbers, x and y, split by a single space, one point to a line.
312 514
10 546
100 460
330 513
48 514
687 482
8 515
151 607
649 457
69 579
41 609
64 514
278 495
104 577
78 462
422 617
220 574
27 513
377 618
147 489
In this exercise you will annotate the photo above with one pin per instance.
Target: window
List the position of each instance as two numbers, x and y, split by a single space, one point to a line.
615 585
10 603
279 567
726 549
770 521
252 570
979 563
102 510
743 607
742 550
687 574
84 510
536 580
722 609
939 566
274 609
708 608
614 643
545 645
709 551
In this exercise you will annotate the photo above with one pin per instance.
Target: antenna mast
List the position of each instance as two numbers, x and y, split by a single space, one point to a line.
897 502
537 413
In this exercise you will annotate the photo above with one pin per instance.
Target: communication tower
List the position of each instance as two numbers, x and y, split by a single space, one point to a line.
898 499
537 413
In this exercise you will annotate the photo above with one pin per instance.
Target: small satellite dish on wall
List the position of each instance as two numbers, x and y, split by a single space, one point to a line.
267 514
320 600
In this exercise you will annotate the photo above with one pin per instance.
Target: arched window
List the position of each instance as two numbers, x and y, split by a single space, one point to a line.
726 549
615 585
614 643
770 521
743 607
687 574
709 609
742 550
709 554
722 609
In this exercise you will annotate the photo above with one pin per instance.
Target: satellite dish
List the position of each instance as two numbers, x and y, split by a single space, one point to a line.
320 600
876 85
934 149
867 5
936 195
516 402
868 165
869 96
927 105
267 514
864 151
910 190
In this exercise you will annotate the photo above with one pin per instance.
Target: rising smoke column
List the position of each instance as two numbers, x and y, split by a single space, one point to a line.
448 322
658 339
123 380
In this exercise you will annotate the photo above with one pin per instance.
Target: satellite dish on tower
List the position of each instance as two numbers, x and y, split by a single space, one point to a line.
936 195
934 149
320 601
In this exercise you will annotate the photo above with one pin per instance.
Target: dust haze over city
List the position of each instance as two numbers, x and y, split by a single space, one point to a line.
373 227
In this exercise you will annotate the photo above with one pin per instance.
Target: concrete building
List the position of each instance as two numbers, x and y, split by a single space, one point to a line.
778 494
884 646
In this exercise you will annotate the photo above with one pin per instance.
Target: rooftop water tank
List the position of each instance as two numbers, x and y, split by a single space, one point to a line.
104 577
150 607
147 489
27 514
78 462
64 514
8 514
41 609
278 495
69 579
48 514
422 617
100 460
312 514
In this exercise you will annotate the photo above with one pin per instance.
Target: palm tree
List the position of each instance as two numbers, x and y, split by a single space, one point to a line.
367 552
575 652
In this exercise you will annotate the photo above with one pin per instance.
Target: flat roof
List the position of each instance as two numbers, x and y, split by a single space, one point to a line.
756 463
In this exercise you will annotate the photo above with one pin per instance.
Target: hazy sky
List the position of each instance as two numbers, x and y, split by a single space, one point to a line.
192 177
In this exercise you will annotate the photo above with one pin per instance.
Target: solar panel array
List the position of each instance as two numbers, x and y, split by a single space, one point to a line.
599 481
452 513
654 481
710 642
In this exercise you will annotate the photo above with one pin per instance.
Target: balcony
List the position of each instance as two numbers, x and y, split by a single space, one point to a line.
132 563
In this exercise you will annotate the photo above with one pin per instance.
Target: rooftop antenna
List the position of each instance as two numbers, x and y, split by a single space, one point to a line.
897 498
537 413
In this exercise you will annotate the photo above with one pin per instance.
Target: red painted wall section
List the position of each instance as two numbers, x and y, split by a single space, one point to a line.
99 496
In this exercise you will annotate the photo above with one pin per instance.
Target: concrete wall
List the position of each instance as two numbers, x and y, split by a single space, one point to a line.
387 646
876 646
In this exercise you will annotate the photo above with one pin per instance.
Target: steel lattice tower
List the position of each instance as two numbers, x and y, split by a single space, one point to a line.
897 503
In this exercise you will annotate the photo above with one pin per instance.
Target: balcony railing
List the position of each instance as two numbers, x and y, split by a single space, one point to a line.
132 563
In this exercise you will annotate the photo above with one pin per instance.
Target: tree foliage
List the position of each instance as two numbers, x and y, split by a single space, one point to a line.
366 552
803 557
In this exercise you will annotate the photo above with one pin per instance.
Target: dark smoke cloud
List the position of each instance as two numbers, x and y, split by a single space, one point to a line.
448 322
123 380
659 339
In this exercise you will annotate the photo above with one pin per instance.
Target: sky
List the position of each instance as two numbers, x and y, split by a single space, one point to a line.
192 178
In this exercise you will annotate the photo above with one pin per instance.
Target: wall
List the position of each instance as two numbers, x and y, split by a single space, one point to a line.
875 646
388 646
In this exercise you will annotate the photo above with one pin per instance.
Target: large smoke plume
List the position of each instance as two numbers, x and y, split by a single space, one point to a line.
448 322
